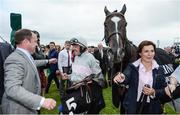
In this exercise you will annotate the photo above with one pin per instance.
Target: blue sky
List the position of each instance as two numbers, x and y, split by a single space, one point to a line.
60 20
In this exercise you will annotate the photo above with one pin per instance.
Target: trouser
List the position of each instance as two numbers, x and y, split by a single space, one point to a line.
50 78
97 103
145 108
0 109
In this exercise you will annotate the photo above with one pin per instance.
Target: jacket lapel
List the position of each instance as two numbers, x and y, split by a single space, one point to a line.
32 65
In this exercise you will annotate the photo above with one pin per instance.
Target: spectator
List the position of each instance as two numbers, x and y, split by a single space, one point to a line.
100 55
64 64
173 88
53 67
58 48
39 55
5 51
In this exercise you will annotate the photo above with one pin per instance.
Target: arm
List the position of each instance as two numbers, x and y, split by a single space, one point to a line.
40 63
160 83
13 81
123 77
60 57
174 80
14 76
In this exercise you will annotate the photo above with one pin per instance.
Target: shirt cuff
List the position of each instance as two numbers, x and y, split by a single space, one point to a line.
41 103
47 61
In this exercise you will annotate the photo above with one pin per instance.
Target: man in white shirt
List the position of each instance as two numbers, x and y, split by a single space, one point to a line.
64 64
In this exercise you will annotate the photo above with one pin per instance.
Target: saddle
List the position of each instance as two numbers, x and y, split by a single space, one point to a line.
77 98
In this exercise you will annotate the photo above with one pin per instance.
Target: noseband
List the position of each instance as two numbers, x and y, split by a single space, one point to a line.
120 51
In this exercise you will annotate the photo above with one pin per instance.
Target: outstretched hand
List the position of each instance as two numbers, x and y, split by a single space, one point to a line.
49 104
119 78
64 76
52 61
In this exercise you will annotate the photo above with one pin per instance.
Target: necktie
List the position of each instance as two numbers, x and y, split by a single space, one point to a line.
68 58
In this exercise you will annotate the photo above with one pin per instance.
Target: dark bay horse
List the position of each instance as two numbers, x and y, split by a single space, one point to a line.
122 51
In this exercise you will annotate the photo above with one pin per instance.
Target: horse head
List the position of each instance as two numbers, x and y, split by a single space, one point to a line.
115 33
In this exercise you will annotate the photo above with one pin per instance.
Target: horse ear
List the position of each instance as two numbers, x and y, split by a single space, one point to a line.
123 9
106 11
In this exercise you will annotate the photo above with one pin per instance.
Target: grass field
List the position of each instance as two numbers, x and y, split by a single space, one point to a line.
109 109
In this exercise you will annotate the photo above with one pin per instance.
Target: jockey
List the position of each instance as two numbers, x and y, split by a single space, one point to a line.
86 65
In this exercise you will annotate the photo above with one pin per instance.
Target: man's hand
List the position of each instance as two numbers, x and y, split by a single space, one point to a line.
168 93
172 87
49 104
119 78
169 89
52 61
58 72
64 76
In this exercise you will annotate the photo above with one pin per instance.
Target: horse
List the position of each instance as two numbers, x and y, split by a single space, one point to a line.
122 51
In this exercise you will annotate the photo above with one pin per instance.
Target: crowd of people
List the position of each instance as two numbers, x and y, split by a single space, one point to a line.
79 72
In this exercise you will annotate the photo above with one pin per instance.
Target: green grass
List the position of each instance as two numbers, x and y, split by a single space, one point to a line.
109 109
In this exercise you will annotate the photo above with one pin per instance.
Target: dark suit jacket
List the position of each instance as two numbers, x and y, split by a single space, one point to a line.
102 61
53 54
5 50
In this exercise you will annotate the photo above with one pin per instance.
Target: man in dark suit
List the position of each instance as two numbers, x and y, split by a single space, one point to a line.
99 54
53 67
5 50
21 79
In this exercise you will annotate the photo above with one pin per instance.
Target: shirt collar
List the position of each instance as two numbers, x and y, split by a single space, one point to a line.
25 52
138 63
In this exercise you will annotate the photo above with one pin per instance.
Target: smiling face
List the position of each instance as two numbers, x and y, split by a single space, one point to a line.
30 43
33 43
147 53
76 49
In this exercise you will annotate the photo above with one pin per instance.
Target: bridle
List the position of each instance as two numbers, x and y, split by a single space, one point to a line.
108 36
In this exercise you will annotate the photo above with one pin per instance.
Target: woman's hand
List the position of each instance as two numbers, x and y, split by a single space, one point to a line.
119 78
148 91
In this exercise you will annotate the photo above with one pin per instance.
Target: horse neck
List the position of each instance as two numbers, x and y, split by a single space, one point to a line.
130 52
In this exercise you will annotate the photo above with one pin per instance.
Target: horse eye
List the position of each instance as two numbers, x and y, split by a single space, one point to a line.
105 24
126 24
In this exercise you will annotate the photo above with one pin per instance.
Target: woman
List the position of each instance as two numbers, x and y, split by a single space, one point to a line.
145 80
